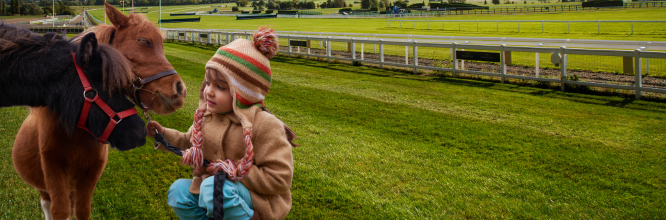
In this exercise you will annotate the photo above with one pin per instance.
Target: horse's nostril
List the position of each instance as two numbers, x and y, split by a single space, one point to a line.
179 88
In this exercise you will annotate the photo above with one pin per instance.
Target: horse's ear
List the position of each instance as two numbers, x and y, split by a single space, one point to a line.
117 18
87 49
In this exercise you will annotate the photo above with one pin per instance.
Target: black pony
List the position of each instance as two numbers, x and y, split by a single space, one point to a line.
38 70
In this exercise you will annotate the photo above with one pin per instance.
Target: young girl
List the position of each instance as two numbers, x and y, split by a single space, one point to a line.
238 136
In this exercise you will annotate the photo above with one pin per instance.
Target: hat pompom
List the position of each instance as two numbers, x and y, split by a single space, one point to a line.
266 41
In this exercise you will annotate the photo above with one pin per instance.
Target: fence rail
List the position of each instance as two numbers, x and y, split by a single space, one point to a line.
634 60
511 41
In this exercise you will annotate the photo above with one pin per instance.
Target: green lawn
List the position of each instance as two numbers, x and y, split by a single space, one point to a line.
380 144
642 31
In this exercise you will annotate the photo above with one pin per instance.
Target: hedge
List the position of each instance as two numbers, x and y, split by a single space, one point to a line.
603 4
287 12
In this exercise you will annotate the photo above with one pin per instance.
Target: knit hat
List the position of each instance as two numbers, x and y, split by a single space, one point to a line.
245 66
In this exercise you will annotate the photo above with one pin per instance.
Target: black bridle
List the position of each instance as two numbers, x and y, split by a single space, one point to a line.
141 82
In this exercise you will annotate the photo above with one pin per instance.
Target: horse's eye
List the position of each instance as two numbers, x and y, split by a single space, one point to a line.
143 41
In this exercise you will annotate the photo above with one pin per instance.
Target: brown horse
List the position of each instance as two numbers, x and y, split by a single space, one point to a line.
109 75
38 149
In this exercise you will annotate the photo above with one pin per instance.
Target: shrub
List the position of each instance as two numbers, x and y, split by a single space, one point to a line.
256 12
287 12
235 8
269 12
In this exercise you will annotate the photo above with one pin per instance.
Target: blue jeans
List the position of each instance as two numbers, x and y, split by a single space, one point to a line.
236 200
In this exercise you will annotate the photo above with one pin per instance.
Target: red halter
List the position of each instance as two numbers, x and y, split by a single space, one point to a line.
86 108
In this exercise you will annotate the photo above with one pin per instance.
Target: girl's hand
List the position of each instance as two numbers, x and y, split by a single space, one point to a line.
151 128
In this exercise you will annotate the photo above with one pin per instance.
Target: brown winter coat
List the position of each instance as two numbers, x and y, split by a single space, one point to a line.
269 179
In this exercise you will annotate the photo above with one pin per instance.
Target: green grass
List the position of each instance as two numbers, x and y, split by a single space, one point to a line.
642 31
380 144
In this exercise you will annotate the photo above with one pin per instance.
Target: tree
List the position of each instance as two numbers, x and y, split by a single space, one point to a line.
496 2
401 3
270 5
351 5
485 2
365 4
261 3
338 3
381 5
235 8
241 3
386 3
310 5
47 10
373 4
32 9
2 8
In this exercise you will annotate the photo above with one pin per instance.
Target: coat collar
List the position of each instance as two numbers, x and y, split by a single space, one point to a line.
230 115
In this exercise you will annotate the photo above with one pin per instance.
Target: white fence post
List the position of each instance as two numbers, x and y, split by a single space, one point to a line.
328 50
416 57
289 43
353 50
381 54
307 41
455 60
536 62
406 54
563 67
503 62
362 48
639 78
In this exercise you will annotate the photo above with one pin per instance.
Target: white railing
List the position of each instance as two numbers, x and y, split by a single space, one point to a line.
509 41
412 46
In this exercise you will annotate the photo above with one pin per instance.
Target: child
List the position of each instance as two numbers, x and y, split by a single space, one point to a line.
238 136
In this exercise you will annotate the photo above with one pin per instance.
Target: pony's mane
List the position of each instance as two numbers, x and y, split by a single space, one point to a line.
116 69
16 42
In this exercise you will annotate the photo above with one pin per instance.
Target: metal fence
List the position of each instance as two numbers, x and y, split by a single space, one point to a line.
562 65
516 25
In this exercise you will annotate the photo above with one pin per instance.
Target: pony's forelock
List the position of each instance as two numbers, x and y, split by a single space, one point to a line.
116 70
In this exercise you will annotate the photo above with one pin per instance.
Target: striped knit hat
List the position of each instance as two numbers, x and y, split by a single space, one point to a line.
246 68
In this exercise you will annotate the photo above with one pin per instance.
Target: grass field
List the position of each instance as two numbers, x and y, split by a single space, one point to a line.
642 31
379 144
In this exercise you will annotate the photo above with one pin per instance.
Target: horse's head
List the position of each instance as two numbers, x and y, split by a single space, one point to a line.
109 74
142 45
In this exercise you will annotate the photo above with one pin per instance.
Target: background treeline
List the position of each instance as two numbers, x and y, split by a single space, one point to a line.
164 2
16 7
